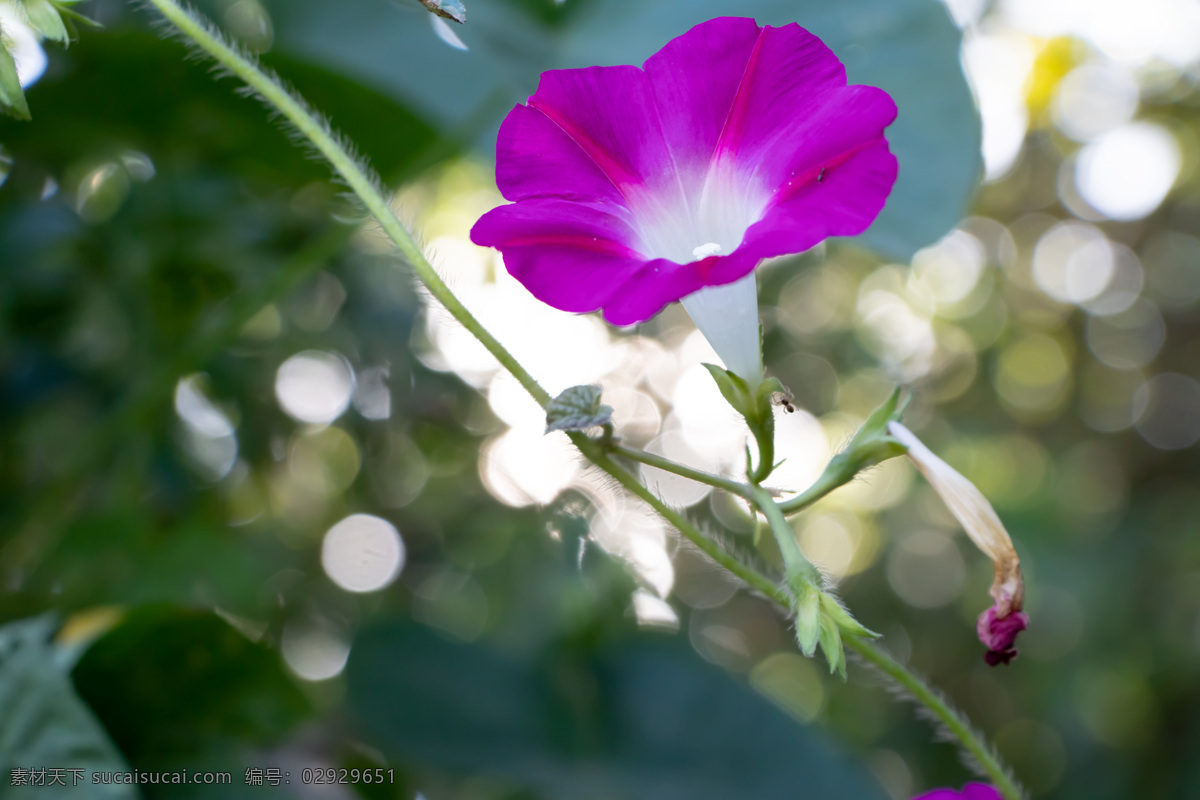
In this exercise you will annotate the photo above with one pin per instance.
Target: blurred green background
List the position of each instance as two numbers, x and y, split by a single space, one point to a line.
261 508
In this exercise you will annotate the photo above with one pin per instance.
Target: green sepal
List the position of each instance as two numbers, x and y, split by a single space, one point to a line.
874 432
72 17
831 608
831 645
577 408
12 98
756 408
808 619
735 390
872 443
44 16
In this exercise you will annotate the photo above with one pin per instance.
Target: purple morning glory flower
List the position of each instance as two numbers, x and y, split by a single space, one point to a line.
634 188
972 791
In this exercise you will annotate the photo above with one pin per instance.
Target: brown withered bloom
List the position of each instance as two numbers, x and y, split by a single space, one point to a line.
999 625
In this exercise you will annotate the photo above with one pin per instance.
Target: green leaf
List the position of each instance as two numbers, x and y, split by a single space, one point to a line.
43 723
93 97
645 719
577 408
45 17
173 683
12 99
452 10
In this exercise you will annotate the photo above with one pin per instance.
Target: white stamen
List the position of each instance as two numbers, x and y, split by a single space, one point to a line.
706 250
728 317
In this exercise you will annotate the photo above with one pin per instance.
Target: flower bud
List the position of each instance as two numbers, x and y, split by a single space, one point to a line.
999 625
808 619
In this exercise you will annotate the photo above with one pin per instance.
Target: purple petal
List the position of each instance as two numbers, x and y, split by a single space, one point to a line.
696 77
661 283
843 202
536 158
999 634
794 111
576 254
611 116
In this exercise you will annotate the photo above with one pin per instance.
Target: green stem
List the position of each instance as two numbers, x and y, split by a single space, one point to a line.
597 456
362 184
796 565
682 470
359 179
949 716
766 454
838 473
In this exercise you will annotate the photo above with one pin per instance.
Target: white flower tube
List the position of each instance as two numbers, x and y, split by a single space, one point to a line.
728 317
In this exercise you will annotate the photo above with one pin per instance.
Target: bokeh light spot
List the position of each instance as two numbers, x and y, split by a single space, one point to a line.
925 569
1126 173
314 651
362 553
1033 375
314 386
792 682
1129 339
1167 411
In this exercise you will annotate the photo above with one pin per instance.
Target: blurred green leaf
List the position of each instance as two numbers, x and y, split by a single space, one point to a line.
172 683
43 16
43 722
86 107
12 99
646 719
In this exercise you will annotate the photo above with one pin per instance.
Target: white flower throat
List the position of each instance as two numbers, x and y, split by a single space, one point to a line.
711 220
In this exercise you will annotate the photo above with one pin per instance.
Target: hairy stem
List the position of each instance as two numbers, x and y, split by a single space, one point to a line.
796 564
756 580
364 186
682 470
356 176
955 722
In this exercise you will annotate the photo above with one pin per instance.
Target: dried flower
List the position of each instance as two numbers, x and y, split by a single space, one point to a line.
999 625
634 188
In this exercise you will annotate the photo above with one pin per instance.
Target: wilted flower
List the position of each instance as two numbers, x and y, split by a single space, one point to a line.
634 188
999 625
972 791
